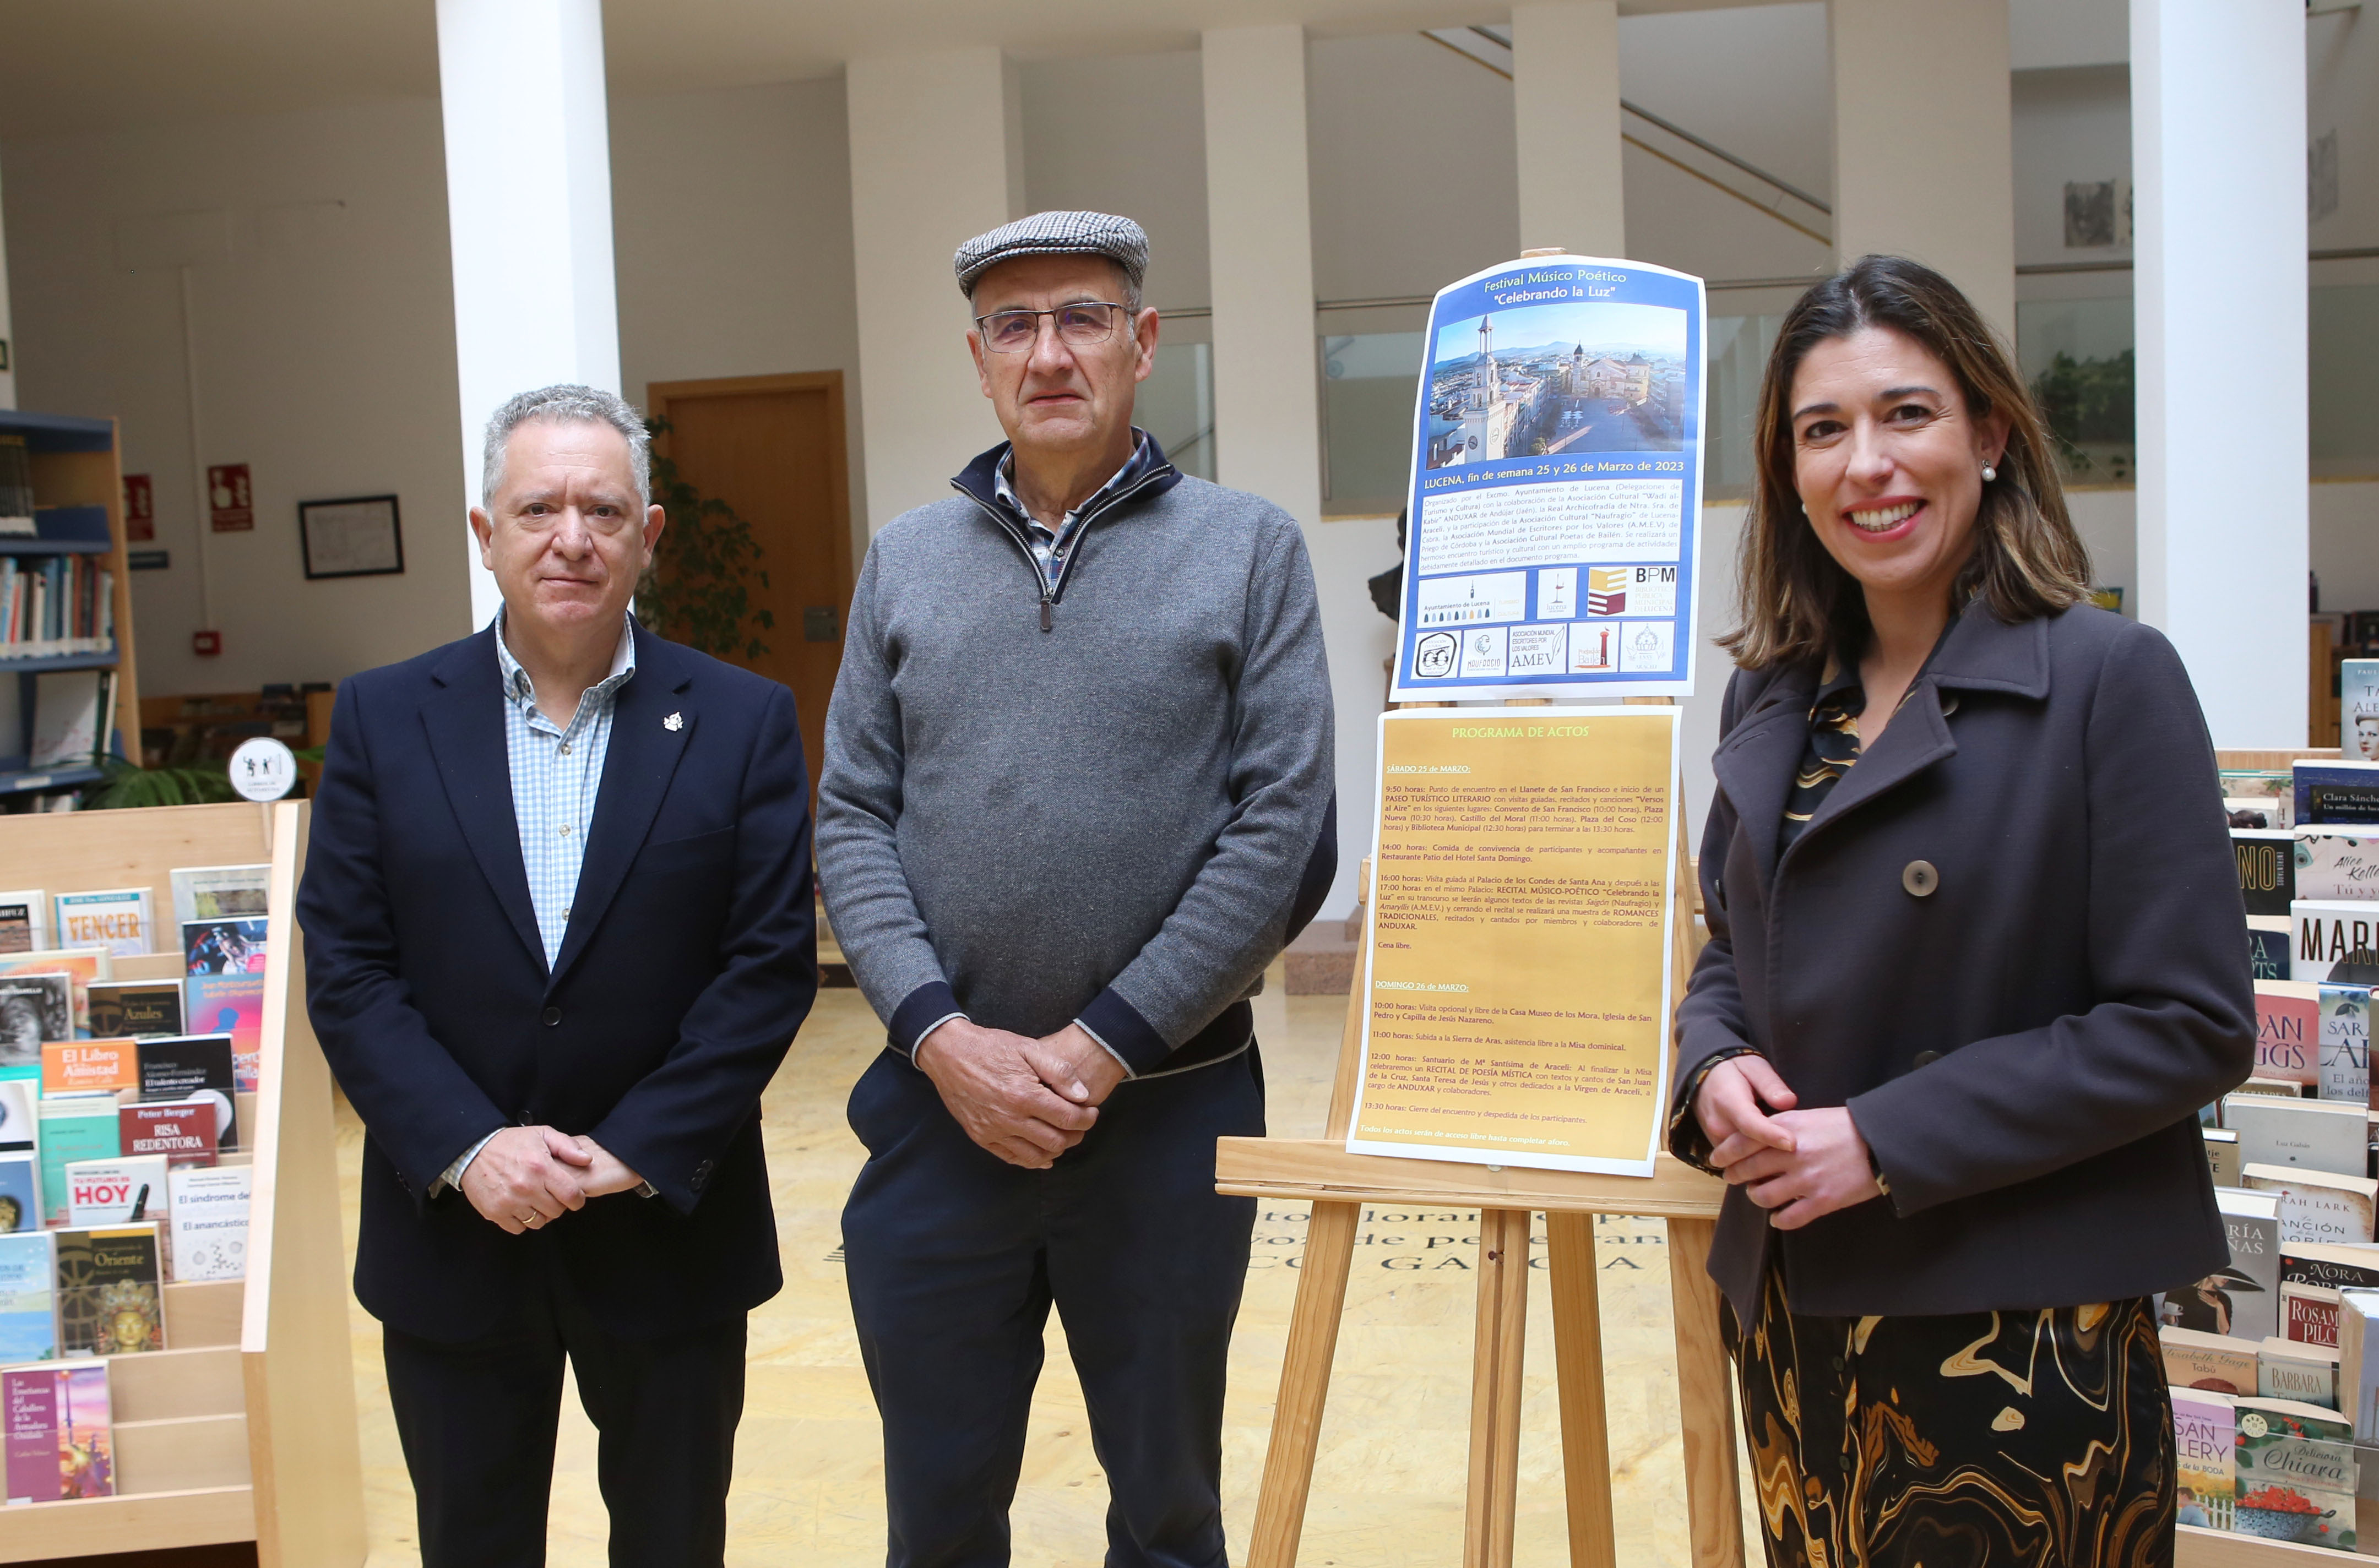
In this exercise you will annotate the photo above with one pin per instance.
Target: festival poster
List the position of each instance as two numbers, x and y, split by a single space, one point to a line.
1519 963
1556 490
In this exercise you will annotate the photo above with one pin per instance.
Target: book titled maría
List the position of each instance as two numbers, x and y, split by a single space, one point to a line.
2240 1299
111 1291
60 1431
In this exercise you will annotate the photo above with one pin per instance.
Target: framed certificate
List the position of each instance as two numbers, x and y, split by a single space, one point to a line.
357 536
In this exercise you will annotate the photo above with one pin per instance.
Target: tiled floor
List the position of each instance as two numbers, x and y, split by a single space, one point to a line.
1388 1489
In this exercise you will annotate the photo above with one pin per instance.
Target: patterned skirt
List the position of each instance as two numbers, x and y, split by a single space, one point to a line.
2041 1438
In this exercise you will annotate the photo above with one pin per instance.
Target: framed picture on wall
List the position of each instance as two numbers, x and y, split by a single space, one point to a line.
357 536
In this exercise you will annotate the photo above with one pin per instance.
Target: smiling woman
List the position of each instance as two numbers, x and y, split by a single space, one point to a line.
1956 1015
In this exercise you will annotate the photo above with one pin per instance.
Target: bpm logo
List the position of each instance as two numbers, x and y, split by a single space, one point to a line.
1433 655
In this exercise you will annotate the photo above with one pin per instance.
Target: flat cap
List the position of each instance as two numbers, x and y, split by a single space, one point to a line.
1119 240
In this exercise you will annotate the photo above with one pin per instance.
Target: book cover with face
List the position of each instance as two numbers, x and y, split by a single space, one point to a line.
233 1004
2346 1044
111 1291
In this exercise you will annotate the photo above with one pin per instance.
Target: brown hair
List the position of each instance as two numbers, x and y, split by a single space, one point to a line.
1792 600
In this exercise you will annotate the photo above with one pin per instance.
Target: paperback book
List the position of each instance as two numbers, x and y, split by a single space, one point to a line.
2287 1368
61 1439
20 1099
109 1194
2287 1030
129 1007
211 1221
2346 1044
2204 1427
84 966
2242 1298
2358 709
2320 1135
2309 1316
224 946
193 1066
219 892
2213 1362
2268 953
2318 1206
2334 942
2267 868
73 1127
2221 1154
2337 867
2352 1267
2293 1486
70 1067
24 921
118 919
20 1190
180 1132
2330 792
34 1009
233 1004
111 1291
29 1314
2357 1362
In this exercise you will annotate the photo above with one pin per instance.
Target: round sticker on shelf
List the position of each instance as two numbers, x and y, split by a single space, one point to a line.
263 769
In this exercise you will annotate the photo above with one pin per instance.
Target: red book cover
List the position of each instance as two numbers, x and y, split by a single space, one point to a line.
2288 1037
183 1131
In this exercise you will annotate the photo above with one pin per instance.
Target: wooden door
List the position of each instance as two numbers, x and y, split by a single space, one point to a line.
772 448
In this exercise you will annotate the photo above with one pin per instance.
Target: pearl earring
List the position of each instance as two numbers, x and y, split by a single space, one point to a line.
1990 473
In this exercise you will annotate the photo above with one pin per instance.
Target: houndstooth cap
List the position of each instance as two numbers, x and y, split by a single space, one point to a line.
1119 240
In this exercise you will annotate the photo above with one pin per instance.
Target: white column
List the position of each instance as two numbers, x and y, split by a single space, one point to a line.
1565 106
1923 161
528 206
1259 236
2218 243
937 157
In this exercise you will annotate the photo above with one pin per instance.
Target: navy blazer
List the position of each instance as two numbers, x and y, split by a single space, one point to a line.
2024 1036
689 961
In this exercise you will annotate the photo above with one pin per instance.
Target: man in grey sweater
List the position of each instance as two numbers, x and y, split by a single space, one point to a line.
1077 795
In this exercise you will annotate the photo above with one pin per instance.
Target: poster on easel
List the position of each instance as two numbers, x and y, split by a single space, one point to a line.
1520 955
1556 486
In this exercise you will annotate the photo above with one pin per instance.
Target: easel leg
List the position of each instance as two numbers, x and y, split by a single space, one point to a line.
1304 1385
1705 1401
1585 1424
1496 1357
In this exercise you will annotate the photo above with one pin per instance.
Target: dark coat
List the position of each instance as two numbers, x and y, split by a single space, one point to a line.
2026 1044
689 962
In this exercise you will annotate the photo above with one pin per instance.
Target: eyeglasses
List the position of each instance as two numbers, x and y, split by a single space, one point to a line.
1086 324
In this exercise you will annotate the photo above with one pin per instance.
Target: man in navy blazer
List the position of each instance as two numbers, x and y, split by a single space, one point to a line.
559 931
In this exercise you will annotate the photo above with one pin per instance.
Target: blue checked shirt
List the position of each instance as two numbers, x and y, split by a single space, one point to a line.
556 775
1050 548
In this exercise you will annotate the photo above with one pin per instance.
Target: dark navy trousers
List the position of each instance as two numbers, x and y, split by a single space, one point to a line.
955 1257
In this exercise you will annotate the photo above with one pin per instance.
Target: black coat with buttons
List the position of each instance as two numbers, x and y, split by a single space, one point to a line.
2011 942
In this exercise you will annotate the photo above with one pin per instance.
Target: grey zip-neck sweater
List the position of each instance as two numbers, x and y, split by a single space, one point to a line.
1107 799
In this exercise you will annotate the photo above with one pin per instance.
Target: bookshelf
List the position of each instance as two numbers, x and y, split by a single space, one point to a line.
78 510
245 1430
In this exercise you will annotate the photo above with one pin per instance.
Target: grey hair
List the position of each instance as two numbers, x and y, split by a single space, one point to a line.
567 404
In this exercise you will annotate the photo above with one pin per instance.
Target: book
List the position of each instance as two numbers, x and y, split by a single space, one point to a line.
2222 1154
2222 1363
193 1066
69 1066
233 1004
33 1008
20 1190
2287 1030
61 1438
2287 1368
2241 1300
2258 783
104 1194
2357 1360
128 1008
2204 1427
118 919
29 1313
229 947
111 1291
2337 867
2308 1314
2334 941
2293 1489
2348 1267
24 921
2337 790
19 1113
211 1221
77 1126
66 718
2268 951
2320 1206
2358 709
2278 1088
2254 814
219 892
84 968
182 1133
2320 1135
2346 1044
2267 868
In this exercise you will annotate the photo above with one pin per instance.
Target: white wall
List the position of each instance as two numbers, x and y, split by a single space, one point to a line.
325 351
732 213
1126 133
2071 124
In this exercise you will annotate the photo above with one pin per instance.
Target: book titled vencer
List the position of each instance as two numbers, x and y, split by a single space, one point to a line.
2242 1298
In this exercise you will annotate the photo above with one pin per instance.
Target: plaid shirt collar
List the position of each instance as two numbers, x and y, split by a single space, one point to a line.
522 691
1144 457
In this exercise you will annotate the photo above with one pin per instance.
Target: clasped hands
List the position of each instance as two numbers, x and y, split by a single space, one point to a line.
527 1176
1797 1164
1027 1101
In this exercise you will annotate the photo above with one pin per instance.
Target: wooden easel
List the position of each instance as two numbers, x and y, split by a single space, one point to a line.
1339 1184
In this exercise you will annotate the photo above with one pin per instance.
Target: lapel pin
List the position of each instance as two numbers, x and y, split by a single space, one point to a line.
674 721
